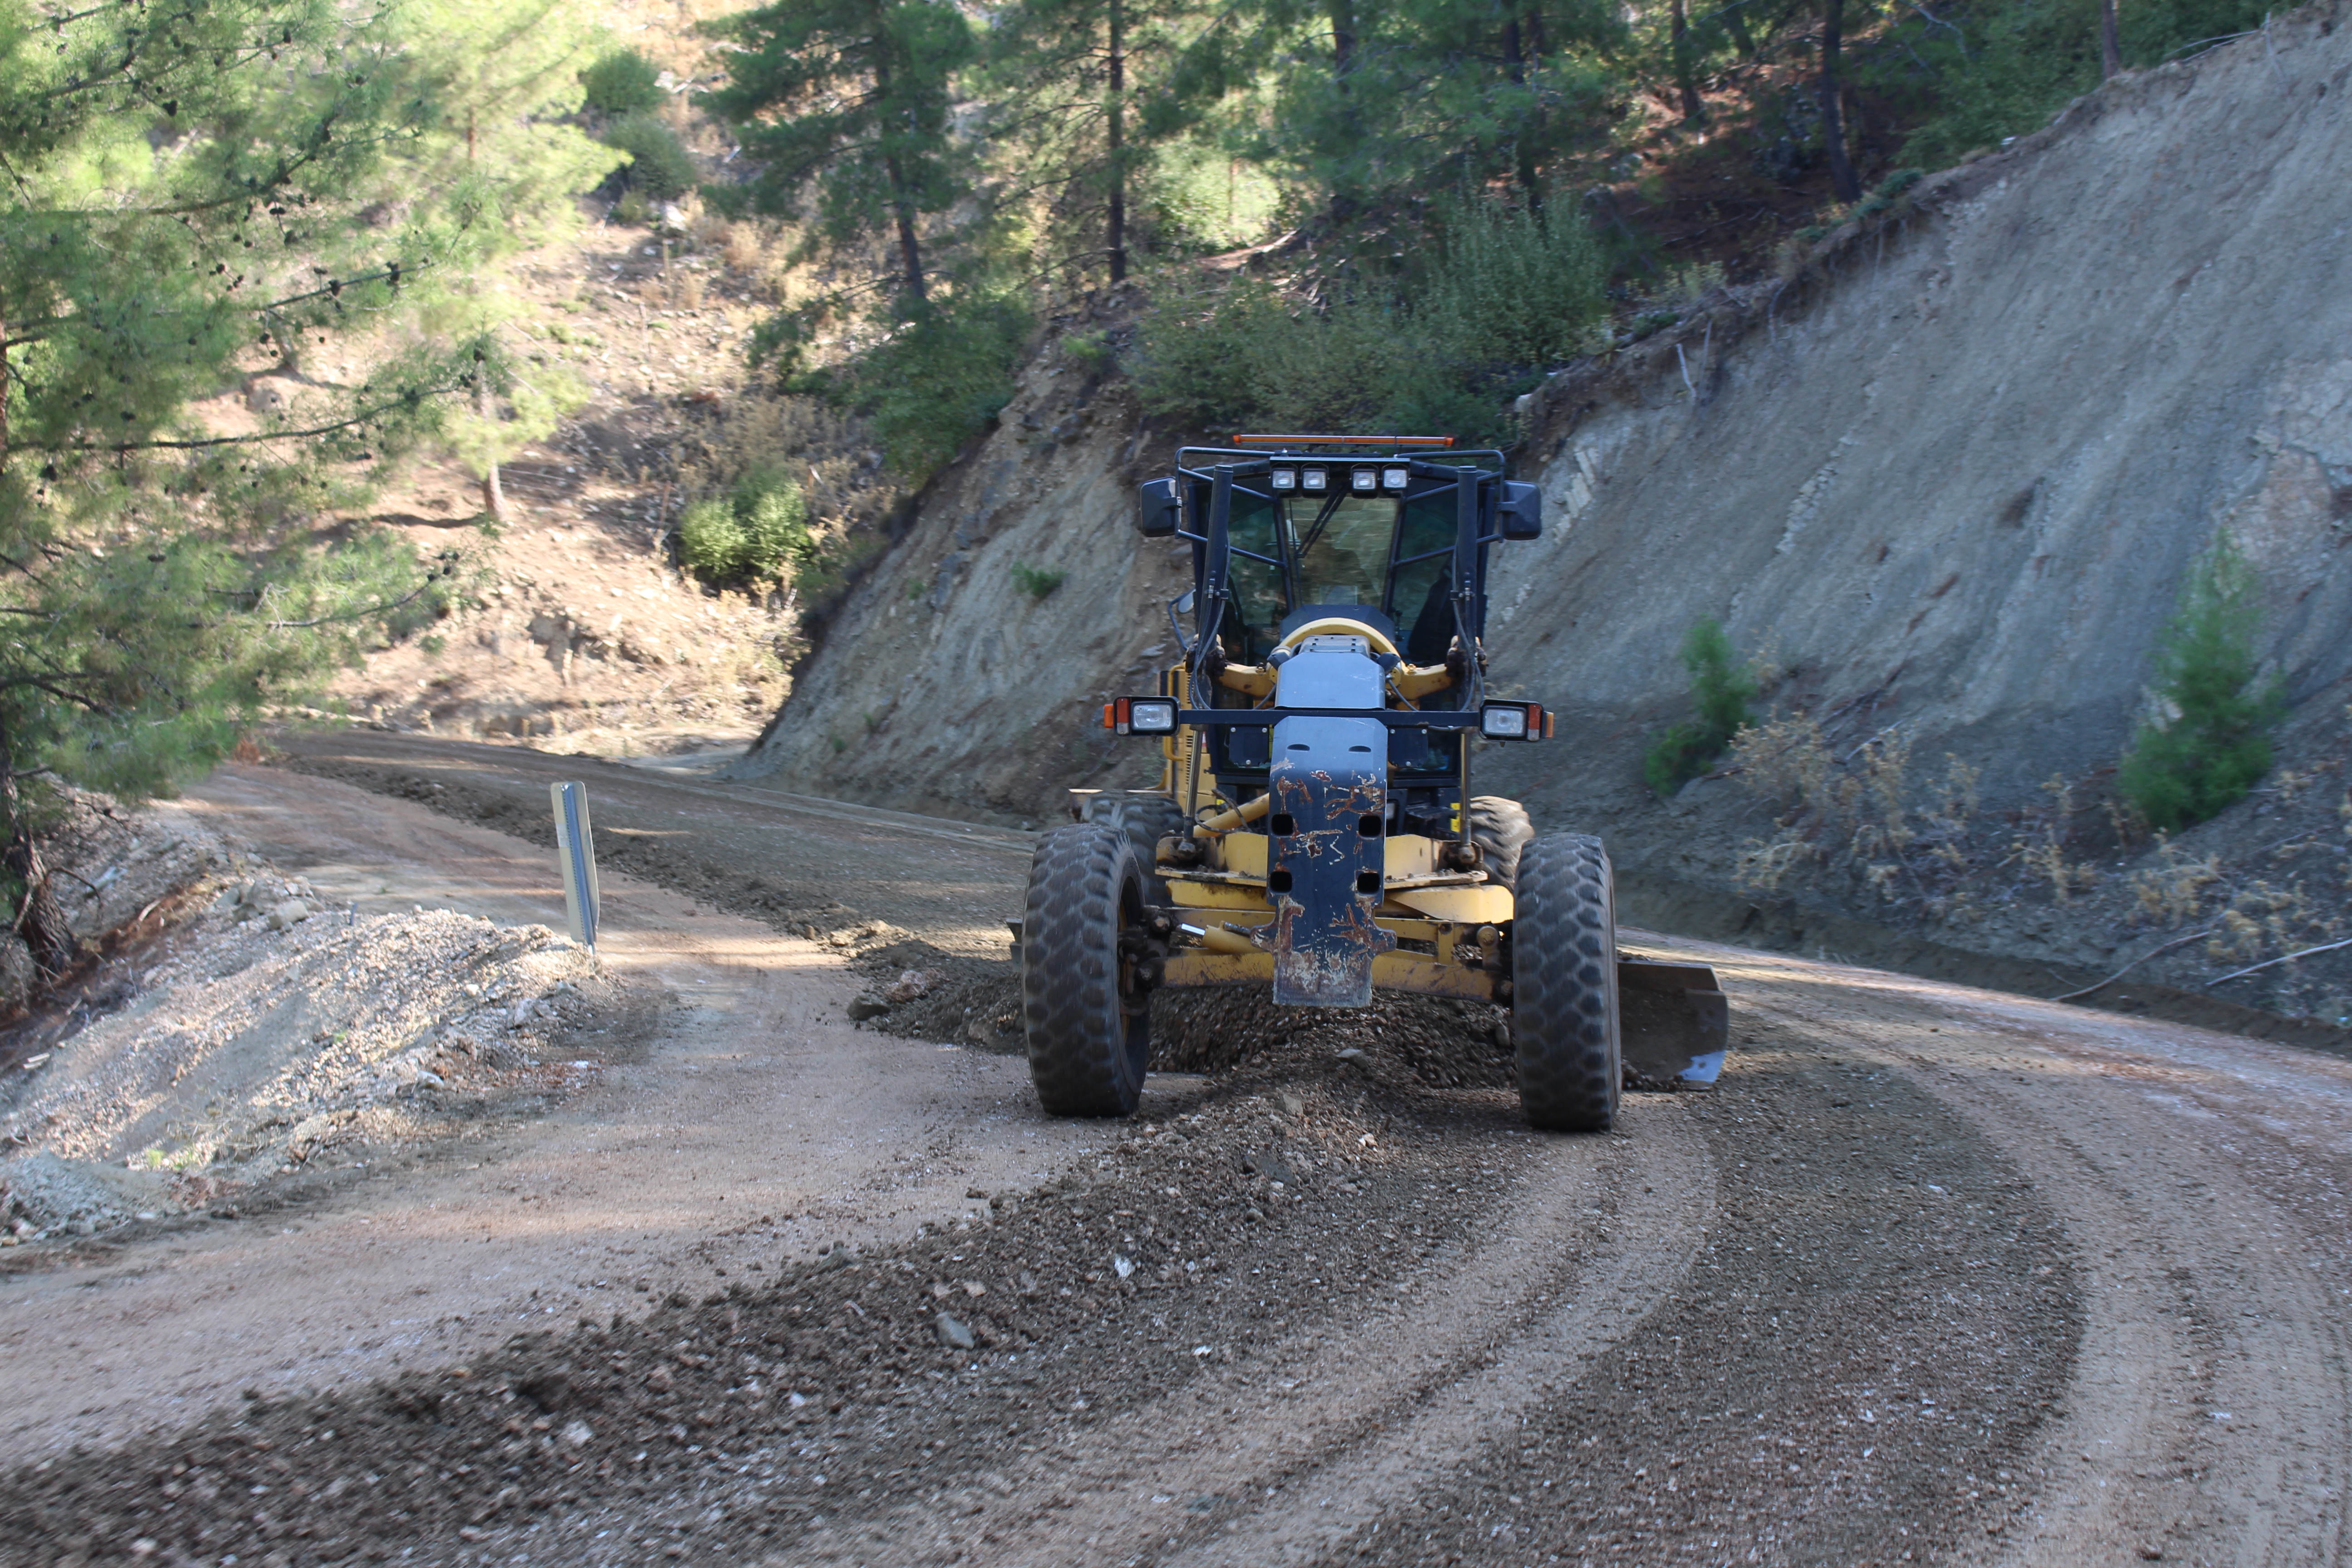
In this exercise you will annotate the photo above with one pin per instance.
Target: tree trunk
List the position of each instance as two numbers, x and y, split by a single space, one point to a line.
38 918
1517 41
1735 15
2111 50
902 204
1342 13
1693 107
910 252
494 495
1841 176
1118 237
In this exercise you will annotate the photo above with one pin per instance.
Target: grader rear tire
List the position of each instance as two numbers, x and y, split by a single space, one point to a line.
1146 819
1086 1019
1564 985
1500 829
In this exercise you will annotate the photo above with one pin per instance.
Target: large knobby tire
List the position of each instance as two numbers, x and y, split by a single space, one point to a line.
1088 1023
1146 819
1500 829
1564 985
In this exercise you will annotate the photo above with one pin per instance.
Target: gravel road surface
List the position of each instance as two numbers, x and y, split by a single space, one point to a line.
1935 1275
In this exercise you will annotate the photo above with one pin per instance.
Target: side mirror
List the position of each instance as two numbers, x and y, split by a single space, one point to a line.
1521 510
1155 510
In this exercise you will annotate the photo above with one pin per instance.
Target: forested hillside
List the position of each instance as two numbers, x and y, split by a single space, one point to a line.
1439 200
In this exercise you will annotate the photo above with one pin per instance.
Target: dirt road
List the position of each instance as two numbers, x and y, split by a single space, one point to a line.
1935 1274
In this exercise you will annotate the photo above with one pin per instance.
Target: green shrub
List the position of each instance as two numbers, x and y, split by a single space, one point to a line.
2213 741
1720 693
757 532
659 169
1344 368
1508 297
1512 288
938 380
1090 351
1036 580
624 82
1198 356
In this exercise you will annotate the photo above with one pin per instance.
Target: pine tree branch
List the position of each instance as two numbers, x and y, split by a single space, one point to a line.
393 273
258 437
2282 958
370 612
2135 963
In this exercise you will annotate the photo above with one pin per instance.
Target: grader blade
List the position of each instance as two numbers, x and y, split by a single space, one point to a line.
1673 1020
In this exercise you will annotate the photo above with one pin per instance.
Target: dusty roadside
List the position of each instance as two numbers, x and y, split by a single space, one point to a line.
745 1126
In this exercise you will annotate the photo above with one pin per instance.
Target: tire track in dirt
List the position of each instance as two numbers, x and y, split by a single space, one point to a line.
2204 1179
1564 1316
1353 1425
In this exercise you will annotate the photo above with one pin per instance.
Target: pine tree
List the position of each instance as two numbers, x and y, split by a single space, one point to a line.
851 98
1720 693
1086 87
2212 740
189 205
1386 103
508 76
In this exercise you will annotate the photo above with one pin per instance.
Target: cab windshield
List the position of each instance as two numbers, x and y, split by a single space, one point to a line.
1294 551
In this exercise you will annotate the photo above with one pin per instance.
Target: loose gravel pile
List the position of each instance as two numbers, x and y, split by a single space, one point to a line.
918 991
758 1413
276 1034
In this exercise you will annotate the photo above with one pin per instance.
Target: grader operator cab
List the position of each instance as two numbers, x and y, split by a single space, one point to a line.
1314 828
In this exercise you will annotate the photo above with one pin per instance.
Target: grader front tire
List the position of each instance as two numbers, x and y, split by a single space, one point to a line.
1088 1020
1564 985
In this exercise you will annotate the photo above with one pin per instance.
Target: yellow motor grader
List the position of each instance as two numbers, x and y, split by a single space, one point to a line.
1314 830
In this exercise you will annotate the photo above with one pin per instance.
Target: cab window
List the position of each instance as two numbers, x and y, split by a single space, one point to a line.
1256 575
1417 602
1343 548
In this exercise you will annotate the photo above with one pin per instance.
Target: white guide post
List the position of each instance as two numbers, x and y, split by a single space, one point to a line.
575 859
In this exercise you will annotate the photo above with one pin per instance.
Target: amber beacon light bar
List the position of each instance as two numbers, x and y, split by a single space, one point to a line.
1289 441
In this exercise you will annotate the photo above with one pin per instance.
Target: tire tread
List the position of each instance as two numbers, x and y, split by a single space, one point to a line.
1086 1052
1564 985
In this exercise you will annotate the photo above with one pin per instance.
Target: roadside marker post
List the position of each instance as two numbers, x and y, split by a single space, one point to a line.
575 860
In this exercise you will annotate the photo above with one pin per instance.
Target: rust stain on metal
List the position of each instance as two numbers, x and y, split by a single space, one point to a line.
1326 935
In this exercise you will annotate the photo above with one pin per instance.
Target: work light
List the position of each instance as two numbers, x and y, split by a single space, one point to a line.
1151 716
1392 478
1366 480
1514 722
1313 480
1285 478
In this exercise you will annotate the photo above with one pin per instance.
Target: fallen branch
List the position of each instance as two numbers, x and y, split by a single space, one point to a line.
2143 958
2284 958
